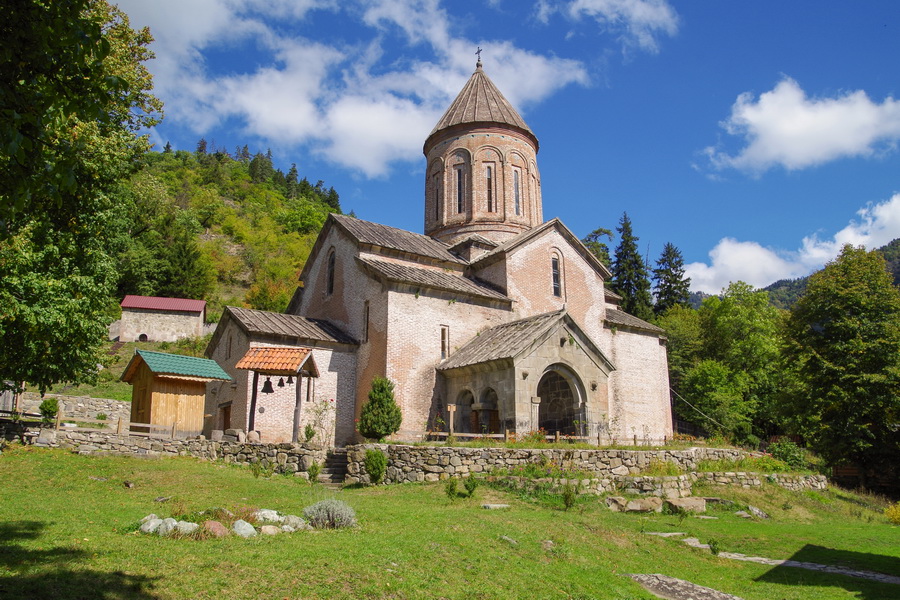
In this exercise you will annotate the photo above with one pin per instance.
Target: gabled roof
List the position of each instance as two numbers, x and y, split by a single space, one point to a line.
513 339
174 365
441 280
526 236
263 322
622 318
272 360
375 234
479 102
156 303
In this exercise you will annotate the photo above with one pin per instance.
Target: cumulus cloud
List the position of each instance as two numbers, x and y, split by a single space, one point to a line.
786 127
732 260
342 100
637 23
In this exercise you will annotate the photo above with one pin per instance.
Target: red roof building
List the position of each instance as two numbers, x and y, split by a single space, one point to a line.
154 319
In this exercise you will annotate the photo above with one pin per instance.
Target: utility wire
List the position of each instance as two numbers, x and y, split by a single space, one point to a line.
697 409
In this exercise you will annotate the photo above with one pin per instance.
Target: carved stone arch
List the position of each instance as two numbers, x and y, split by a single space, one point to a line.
480 153
562 400
463 417
488 411
458 183
434 188
487 178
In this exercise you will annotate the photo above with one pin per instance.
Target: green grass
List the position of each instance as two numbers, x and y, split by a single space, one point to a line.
66 535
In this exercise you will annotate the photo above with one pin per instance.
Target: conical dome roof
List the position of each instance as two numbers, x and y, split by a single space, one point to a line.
480 102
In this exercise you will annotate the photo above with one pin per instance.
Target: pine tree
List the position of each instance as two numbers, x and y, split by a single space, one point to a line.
598 248
168 148
630 274
201 146
671 287
380 416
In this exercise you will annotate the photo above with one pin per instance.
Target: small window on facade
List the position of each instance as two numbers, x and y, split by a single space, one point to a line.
436 182
489 176
329 284
557 284
366 321
459 190
445 341
516 192
228 348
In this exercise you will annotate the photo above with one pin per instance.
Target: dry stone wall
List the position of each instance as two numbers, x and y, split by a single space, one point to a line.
75 407
281 458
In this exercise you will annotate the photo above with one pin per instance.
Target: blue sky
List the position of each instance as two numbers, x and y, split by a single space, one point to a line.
758 137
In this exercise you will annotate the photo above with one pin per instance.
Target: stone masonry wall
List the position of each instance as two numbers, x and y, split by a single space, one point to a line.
433 463
75 407
282 458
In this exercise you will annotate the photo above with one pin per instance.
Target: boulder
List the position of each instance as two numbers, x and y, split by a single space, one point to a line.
494 506
616 503
620 470
149 517
216 435
758 512
244 529
270 530
253 437
151 525
692 505
215 529
294 522
265 515
643 505
186 527
167 526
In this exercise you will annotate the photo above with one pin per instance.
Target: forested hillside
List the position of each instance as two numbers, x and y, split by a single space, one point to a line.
225 228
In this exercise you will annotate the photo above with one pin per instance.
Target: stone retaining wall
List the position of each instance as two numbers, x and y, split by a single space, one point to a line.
281 458
795 483
79 407
432 463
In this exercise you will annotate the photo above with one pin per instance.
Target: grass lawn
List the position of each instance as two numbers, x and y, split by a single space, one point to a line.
65 535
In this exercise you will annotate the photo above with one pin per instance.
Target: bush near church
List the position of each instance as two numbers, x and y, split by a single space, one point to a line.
380 416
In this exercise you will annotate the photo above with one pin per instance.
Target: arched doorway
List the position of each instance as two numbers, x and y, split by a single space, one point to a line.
463 417
560 407
143 337
489 415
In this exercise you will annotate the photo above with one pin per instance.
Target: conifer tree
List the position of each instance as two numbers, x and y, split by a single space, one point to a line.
593 242
671 287
380 416
630 274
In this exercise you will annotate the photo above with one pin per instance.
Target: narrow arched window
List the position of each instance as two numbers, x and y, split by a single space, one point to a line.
460 191
436 184
329 281
516 192
489 177
557 278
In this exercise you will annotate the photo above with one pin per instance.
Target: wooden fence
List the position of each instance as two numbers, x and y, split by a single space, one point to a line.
119 426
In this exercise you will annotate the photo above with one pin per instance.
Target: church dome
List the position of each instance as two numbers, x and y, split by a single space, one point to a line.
482 177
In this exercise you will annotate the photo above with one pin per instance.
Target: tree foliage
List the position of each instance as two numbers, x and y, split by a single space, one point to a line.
671 287
74 94
843 341
594 242
380 416
630 274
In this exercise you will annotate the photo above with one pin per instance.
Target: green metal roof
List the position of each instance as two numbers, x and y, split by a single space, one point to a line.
161 363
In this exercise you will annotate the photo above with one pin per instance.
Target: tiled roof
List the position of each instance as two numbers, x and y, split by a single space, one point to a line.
154 303
502 341
383 236
161 363
480 101
292 326
620 317
441 280
278 361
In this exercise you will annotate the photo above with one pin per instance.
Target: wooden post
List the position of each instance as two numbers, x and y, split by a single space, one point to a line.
252 414
295 434
119 427
556 437
451 416
506 435
635 440
174 426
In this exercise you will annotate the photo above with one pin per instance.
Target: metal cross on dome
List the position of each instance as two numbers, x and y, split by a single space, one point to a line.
478 52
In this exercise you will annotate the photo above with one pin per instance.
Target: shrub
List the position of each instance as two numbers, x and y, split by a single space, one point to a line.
569 495
330 514
893 513
48 409
376 465
450 488
309 432
101 416
313 471
789 452
471 484
380 416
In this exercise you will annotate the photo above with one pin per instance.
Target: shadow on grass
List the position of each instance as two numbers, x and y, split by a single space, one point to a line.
863 589
56 572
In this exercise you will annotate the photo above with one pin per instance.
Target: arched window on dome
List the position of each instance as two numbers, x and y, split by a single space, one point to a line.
517 193
460 178
489 186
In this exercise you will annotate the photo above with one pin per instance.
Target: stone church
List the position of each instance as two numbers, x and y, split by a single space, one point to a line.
493 310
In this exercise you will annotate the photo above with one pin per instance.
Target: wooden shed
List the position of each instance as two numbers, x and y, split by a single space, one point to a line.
170 390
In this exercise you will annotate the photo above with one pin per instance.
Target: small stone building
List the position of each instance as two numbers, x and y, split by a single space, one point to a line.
170 390
493 310
153 319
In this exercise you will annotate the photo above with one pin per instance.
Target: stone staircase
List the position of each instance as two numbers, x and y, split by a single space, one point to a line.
335 469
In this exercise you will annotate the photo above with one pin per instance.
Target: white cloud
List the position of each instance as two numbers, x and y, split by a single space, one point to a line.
638 22
785 127
340 99
733 260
